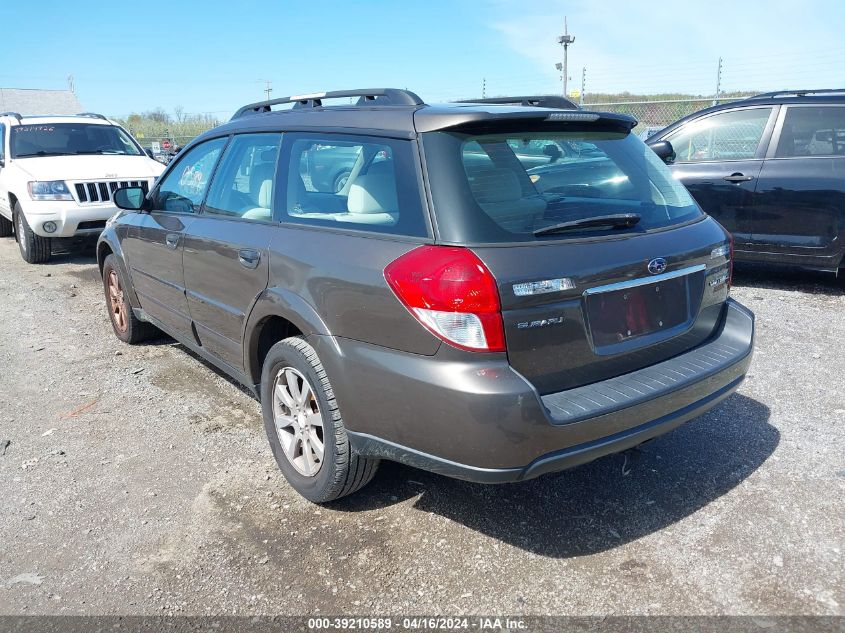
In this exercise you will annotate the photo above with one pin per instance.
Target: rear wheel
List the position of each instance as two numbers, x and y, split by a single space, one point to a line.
6 227
127 327
34 248
305 427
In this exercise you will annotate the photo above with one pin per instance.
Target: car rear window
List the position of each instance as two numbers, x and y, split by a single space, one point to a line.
352 182
514 186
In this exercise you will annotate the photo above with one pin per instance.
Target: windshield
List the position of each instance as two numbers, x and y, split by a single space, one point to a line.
540 186
70 139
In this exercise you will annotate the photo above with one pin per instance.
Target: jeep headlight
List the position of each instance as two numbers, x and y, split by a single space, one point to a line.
49 190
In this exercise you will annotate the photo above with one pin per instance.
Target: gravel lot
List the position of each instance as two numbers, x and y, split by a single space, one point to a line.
138 480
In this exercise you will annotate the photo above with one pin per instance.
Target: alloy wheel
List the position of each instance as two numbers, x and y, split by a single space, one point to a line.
117 302
298 421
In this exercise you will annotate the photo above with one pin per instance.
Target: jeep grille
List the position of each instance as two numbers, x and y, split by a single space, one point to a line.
93 192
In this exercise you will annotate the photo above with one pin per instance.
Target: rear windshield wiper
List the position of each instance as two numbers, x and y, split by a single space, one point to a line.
614 220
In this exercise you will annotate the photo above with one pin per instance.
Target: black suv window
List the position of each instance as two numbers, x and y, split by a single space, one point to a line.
183 188
243 185
355 182
731 135
812 131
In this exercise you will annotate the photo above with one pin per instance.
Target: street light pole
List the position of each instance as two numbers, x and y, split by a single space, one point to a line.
565 40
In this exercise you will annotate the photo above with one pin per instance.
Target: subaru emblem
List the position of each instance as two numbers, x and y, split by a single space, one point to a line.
657 266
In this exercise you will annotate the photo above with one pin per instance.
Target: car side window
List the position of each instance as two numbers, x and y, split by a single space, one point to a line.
2 141
354 182
182 190
243 185
812 131
733 135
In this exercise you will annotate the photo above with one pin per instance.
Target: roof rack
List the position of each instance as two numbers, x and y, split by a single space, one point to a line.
540 101
798 93
14 114
375 96
92 115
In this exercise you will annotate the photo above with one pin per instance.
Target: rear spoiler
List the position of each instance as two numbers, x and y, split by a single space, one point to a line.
483 120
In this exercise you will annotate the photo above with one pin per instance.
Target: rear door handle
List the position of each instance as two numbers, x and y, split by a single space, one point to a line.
738 177
249 258
171 240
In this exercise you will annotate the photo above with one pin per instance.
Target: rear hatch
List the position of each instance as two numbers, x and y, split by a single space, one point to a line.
604 264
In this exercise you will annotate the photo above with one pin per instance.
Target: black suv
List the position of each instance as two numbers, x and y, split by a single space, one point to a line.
443 308
771 170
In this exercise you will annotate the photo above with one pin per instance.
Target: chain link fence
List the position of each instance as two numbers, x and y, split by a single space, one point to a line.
655 115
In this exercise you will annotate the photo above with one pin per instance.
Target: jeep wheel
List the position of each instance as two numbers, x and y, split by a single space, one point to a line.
305 426
34 248
6 227
127 327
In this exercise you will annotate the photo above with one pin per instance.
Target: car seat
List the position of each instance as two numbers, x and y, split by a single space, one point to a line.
499 194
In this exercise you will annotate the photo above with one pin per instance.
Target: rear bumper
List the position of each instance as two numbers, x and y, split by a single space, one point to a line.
484 422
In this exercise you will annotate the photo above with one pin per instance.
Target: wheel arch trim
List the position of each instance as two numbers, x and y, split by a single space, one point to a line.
277 303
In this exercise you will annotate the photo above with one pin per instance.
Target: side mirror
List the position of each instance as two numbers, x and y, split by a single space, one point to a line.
553 152
664 151
129 198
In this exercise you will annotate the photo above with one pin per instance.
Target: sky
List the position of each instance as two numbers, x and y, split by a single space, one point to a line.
212 57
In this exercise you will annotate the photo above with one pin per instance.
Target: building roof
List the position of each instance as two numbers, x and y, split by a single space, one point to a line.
29 101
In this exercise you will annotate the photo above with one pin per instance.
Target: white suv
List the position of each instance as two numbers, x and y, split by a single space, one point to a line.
58 174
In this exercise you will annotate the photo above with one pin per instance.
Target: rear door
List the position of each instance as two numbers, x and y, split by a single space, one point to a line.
226 256
153 245
718 158
800 213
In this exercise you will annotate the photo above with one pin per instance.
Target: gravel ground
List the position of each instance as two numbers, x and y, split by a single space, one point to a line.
138 481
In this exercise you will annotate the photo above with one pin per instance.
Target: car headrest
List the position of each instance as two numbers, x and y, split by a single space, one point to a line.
265 194
260 173
496 185
374 192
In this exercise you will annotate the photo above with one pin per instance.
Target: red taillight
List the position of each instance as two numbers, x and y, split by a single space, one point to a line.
449 290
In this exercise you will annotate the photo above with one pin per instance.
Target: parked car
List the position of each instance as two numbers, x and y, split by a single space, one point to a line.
437 310
771 170
58 174
648 131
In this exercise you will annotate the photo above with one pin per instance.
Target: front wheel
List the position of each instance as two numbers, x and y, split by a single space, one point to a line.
34 249
127 327
305 427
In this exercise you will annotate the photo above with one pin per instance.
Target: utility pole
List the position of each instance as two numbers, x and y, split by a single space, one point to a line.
565 40
718 83
267 89
583 85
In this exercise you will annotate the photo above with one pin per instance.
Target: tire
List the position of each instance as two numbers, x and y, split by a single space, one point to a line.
339 471
127 327
34 248
339 181
6 227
